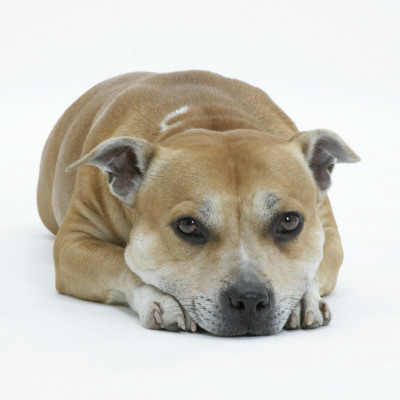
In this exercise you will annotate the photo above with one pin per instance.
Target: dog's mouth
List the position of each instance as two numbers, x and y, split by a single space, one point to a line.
241 308
217 322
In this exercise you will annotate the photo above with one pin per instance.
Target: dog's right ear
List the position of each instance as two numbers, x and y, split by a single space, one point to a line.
124 160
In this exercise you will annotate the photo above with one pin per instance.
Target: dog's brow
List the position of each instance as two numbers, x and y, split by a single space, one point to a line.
270 199
265 202
205 209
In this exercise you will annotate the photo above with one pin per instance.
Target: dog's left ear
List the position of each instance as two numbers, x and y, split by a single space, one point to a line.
322 150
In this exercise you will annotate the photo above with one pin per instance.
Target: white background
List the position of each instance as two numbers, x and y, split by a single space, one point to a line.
328 64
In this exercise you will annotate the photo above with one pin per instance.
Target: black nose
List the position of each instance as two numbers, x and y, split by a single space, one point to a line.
249 298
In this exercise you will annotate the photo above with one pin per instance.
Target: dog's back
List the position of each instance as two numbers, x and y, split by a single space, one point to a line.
65 144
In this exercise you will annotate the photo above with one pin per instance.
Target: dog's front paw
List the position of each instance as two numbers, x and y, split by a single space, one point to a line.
311 312
158 310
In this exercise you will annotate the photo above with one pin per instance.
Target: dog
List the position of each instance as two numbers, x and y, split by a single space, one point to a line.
196 201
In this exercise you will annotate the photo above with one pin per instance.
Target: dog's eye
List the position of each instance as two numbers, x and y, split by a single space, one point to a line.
187 226
289 222
287 226
190 230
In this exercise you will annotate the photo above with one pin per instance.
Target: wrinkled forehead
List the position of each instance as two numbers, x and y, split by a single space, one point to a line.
245 162
261 174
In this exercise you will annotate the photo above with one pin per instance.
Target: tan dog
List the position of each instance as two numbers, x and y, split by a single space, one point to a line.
212 211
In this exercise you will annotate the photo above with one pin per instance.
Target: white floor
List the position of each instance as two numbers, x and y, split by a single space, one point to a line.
333 65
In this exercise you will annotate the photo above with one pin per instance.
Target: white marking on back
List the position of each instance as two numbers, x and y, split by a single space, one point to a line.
164 123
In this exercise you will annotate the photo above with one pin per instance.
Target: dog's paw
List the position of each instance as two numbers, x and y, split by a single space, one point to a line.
158 310
311 312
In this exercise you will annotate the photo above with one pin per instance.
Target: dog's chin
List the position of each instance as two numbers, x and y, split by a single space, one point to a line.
234 330
237 331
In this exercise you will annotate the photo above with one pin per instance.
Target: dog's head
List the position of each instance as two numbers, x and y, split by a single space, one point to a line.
226 222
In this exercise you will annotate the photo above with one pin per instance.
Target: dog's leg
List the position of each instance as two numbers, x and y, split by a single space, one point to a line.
327 273
158 310
95 270
312 311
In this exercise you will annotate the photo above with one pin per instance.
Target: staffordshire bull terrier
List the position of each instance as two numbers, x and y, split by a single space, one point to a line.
195 200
